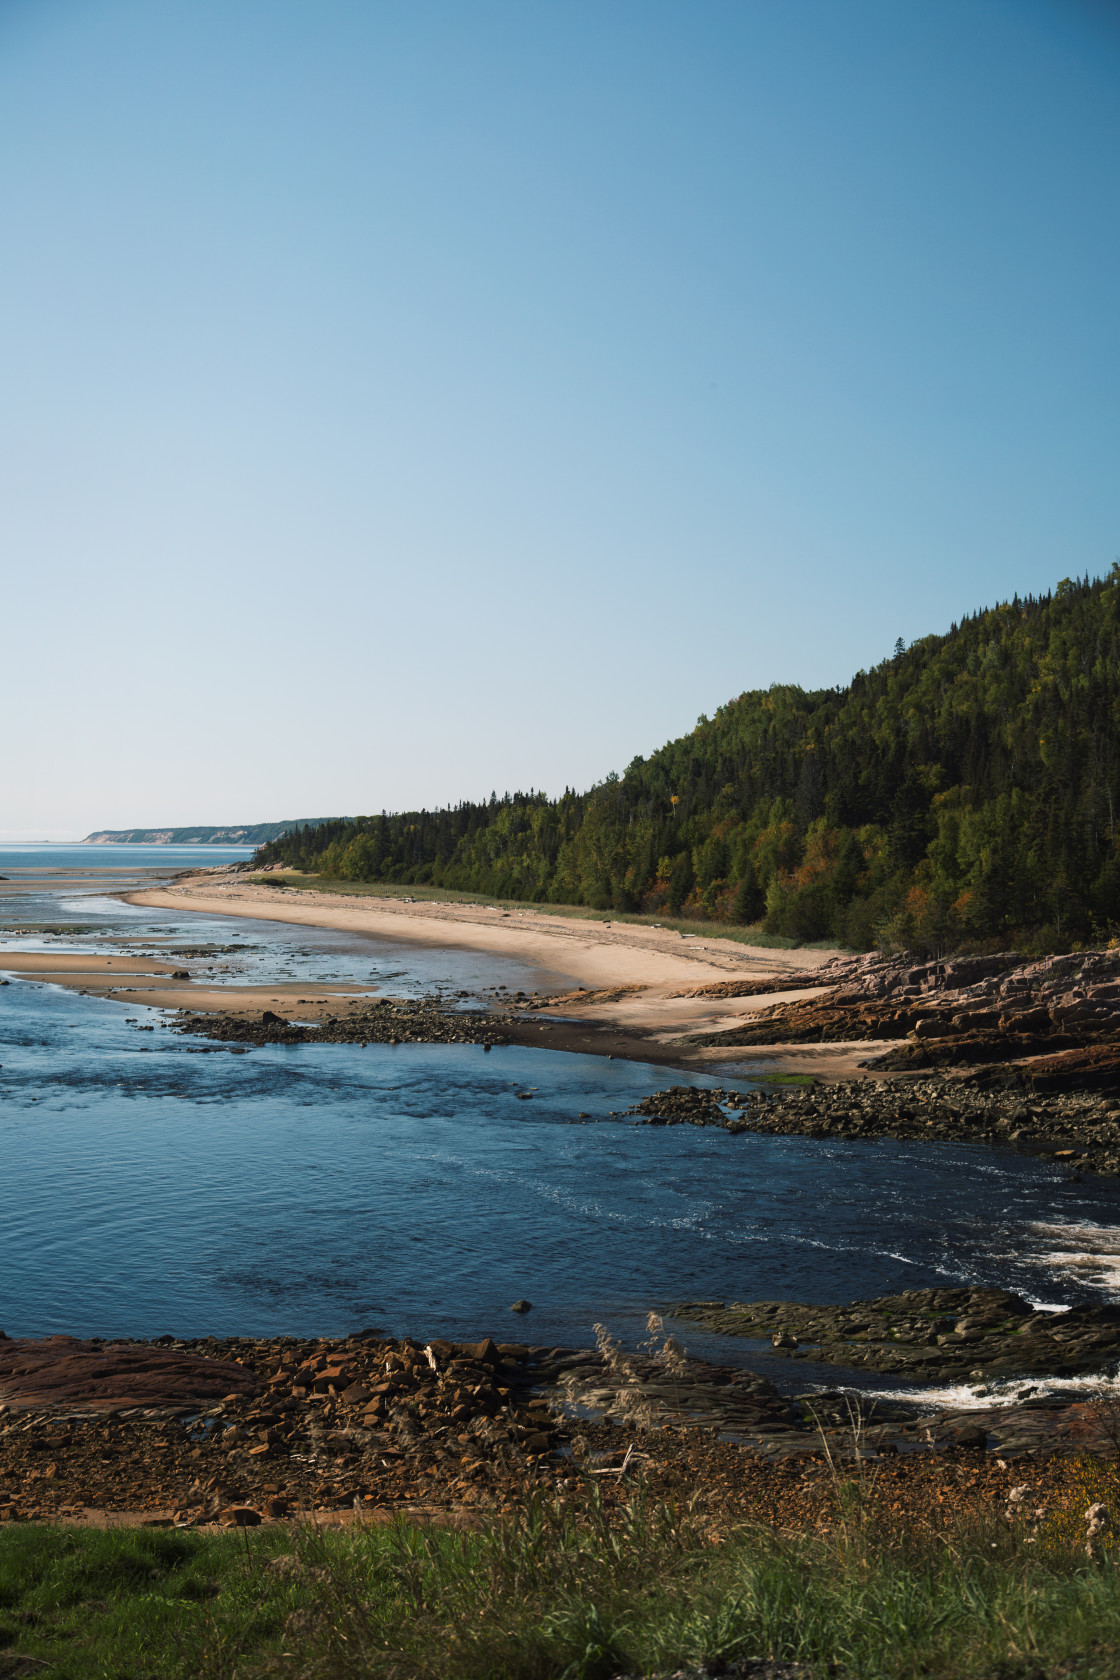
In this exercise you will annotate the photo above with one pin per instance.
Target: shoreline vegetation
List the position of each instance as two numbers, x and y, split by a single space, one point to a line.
974 1586
961 794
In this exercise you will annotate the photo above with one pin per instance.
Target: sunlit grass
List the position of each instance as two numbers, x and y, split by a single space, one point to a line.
572 1593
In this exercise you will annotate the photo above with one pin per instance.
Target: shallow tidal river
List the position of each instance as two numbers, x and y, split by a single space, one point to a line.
150 1183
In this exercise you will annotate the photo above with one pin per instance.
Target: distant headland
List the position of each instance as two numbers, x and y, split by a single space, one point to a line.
238 834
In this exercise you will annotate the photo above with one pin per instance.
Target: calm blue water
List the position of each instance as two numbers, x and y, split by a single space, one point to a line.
119 857
151 1184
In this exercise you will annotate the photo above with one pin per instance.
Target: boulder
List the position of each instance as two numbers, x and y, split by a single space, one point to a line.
484 1352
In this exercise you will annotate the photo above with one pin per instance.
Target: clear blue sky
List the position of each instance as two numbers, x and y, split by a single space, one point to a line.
400 401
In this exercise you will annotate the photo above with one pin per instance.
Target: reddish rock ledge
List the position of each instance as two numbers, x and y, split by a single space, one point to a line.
62 1370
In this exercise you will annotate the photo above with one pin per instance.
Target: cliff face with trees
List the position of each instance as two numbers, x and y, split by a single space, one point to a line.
964 791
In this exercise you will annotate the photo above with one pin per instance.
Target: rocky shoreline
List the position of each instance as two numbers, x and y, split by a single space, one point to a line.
426 1020
370 1021
931 1335
212 1426
1081 1132
243 1430
1045 1025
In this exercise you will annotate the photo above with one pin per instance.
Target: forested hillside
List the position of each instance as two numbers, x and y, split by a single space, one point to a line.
963 791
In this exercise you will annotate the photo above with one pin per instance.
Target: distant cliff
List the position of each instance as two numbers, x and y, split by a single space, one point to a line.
243 834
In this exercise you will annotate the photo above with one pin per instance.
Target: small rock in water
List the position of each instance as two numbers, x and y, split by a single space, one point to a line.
521 1306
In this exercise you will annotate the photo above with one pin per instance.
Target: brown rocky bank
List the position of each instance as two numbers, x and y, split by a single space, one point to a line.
368 1021
372 1424
1079 1128
1037 1025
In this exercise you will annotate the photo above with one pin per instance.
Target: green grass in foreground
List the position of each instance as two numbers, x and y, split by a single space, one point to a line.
546 1595
752 935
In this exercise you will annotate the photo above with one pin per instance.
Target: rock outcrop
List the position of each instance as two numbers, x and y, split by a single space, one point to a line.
960 1012
1078 1131
62 1370
935 1335
369 1021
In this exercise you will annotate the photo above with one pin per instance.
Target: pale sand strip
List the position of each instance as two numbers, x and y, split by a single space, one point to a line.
827 1062
576 951
134 980
587 952
81 962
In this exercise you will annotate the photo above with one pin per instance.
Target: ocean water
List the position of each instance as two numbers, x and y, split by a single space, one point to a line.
150 1183
78 856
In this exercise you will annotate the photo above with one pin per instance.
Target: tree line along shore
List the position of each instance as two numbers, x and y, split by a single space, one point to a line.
961 792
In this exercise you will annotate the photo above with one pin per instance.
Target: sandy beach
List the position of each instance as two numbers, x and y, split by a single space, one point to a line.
607 988
156 985
581 950
636 976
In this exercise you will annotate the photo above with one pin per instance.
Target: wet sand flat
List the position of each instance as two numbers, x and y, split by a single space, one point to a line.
154 985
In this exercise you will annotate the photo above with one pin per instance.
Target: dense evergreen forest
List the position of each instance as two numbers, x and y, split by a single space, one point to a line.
963 792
